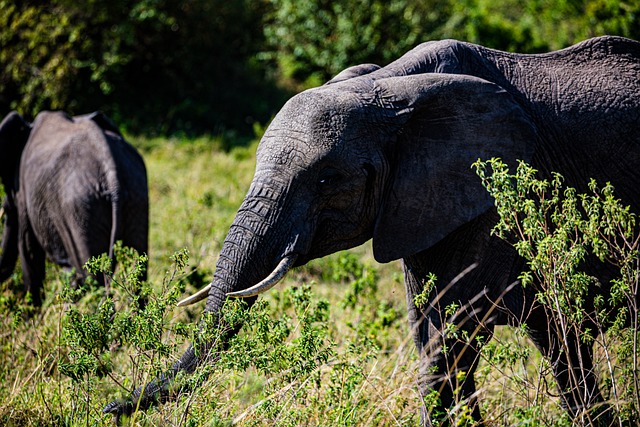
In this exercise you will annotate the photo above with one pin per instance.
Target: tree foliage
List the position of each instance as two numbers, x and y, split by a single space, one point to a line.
157 64
213 65
315 39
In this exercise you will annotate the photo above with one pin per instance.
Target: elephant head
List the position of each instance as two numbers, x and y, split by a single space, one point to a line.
386 159
14 133
360 158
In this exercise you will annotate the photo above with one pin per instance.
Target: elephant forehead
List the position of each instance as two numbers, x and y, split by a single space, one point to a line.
287 151
309 127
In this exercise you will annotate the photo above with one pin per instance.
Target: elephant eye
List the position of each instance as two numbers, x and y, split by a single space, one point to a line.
329 178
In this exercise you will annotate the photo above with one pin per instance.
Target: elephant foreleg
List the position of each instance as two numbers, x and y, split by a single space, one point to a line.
448 357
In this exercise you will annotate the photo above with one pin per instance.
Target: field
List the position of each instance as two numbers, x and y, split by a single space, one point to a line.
329 346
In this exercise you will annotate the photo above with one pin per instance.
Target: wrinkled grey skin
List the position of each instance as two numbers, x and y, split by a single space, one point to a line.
73 187
385 154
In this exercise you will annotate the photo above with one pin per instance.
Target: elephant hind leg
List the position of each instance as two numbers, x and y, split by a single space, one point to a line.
572 363
578 384
32 260
84 236
136 237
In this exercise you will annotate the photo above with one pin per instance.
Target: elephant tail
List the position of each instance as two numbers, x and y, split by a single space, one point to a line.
116 223
100 131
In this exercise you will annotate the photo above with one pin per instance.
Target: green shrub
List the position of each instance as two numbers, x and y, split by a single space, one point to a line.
284 368
555 230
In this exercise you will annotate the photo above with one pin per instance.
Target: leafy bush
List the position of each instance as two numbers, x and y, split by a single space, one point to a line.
556 230
286 358
91 336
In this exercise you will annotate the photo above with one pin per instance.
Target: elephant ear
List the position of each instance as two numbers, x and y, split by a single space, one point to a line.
14 133
101 120
447 122
351 72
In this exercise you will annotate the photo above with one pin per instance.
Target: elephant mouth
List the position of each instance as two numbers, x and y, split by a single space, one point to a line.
269 282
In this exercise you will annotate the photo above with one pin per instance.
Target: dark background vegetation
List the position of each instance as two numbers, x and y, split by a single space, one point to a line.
216 66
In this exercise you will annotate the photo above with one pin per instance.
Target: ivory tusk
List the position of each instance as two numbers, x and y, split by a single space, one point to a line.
198 296
1 212
268 283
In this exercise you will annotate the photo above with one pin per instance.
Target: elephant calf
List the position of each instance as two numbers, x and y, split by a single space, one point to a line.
73 187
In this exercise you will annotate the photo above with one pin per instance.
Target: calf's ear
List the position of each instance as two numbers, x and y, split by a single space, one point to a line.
14 133
101 120
448 121
14 126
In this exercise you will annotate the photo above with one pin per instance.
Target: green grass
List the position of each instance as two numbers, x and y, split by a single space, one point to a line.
329 346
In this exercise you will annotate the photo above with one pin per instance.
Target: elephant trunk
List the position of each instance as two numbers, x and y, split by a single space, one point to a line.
252 253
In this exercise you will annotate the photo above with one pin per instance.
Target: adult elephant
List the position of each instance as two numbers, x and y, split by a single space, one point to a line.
385 154
73 188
